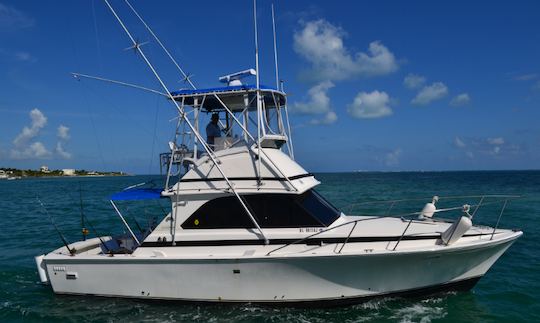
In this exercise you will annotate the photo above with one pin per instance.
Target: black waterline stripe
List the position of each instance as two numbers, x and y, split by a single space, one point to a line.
313 241
281 179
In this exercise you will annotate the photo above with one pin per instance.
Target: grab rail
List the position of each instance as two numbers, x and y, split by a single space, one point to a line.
503 198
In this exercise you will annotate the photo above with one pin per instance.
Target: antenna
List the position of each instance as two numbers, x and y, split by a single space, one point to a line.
259 112
275 48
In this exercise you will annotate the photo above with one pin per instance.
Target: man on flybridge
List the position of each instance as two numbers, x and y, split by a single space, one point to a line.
213 130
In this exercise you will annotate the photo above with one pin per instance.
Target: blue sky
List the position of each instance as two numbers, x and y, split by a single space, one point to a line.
380 85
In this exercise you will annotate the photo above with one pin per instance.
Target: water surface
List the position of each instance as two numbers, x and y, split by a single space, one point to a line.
509 292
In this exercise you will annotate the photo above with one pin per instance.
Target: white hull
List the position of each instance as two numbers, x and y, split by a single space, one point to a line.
274 279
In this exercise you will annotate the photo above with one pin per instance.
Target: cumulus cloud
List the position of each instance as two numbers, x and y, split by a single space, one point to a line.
496 141
38 121
34 150
413 81
459 143
526 77
460 99
392 158
321 44
370 105
496 146
18 56
430 93
329 118
318 102
63 132
63 136
61 152
23 146
12 19
26 145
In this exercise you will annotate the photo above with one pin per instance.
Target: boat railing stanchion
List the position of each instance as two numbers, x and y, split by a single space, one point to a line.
499 219
390 208
403 234
348 237
125 223
478 206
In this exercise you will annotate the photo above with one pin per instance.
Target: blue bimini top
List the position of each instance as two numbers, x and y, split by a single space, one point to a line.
137 194
233 96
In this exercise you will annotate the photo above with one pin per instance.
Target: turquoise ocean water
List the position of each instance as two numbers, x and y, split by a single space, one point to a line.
509 292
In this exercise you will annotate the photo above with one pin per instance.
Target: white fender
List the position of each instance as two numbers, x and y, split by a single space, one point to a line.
42 270
456 230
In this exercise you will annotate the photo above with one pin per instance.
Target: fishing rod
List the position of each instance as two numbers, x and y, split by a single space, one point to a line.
83 226
66 244
88 221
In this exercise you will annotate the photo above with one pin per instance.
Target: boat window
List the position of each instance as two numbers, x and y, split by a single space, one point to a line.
270 210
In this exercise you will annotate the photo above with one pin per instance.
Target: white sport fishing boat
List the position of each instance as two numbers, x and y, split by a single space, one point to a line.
247 225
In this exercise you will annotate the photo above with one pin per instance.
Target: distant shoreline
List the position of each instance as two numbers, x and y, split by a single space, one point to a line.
44 172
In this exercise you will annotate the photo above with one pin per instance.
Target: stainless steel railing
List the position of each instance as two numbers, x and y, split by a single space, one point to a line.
500 199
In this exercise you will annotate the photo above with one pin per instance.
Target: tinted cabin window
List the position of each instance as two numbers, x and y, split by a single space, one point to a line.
270 210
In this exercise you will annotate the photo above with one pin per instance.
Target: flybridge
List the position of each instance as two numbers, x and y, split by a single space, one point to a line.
234 97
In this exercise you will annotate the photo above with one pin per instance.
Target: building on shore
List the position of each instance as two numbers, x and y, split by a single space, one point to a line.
68 172
44 169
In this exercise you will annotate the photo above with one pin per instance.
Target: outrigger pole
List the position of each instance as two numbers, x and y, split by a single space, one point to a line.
186 76
137 47
289 141
79 75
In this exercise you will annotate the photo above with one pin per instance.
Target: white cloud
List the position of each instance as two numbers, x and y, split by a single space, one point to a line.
392 158
11 18
34 150
329 118
63 137
370 105
459 143
24 57
526 77
63 132
460 99
496 146
18 56
61 152
38 121
23 148
414 81
318 100
496 141
321 43
430 93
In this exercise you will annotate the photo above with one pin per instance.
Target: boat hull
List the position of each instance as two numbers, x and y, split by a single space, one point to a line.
330 280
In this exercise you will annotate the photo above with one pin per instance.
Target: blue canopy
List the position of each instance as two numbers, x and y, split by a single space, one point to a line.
220 89
233 96
137 194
